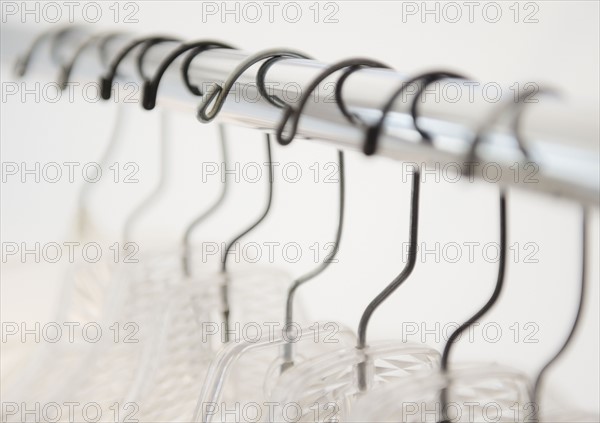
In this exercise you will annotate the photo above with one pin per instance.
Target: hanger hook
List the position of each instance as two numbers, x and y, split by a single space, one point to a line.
185 67
538 381
230 244
101 39
194 224
150 90
107 80
408 267
261 77
146 203
516 108
273 55
428 79
371 135
54 35
374 131
351 66
292 115
288 347
371 138
217 94
277 102
483 310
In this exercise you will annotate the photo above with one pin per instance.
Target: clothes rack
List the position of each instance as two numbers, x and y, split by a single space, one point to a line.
561 169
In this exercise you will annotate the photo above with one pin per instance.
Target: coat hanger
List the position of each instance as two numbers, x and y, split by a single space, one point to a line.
471 384
288 350
343 376
82 296
197 298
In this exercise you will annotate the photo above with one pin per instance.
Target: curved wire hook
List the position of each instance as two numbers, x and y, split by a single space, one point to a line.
277 102
516 108
185 70
101 39
143 206
483 310
339 86
261 76
371 138
352 65
374 131
262 216
217 94
428 79
22 62
194 224
535 395
107 80
288 347
225 287
406 271
293 114
151 86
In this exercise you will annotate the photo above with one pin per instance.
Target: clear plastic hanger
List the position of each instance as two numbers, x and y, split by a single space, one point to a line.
470 392
477 396
161 305
473 391
333 382
265 359
123 303
193 329
528 405
155 362
330 383
173 349
285 369
85 282
247 297
427 395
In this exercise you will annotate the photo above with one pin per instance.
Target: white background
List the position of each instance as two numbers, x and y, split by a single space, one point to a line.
561 50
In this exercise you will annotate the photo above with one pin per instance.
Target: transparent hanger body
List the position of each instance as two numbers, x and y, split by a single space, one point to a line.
83 295
241 378
157 373
477 393
192 334
326 387
106 295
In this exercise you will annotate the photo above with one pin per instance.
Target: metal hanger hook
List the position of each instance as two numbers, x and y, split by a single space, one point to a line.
374 131
217 94
539 379
150 90
292 115
106 81
516 108
54 35
288 350
261 77
427 79
101 39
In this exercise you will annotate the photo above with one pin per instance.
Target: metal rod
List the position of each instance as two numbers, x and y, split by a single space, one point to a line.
561 168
